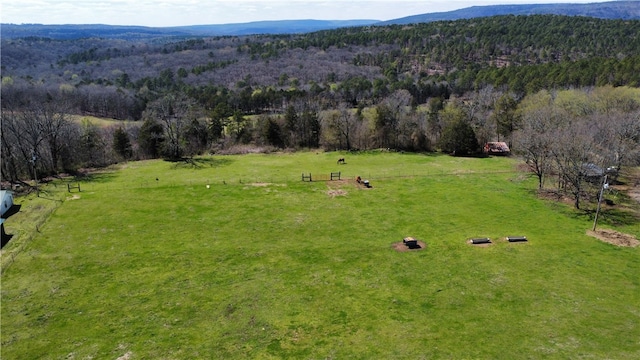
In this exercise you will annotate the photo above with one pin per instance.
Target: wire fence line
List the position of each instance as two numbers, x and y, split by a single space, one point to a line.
25 236
257 179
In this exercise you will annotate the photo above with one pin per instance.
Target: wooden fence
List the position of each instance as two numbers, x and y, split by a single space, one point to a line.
321 177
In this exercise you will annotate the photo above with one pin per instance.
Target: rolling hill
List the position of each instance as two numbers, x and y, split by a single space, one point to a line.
624 10
70 31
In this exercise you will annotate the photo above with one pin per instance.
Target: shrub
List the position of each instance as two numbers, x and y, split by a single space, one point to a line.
459 139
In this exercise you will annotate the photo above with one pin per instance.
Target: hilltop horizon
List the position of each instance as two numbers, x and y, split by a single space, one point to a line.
178 14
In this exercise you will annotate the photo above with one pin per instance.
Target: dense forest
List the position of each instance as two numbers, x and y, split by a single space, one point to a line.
415 87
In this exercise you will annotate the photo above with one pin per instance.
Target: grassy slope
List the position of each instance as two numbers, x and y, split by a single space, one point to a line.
171 269
104 122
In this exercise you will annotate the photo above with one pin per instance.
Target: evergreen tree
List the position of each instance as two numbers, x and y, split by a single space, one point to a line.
122 144
195 137
273 133
505 116
219 118
311 128
459 139
291 126
91 144
237 125
385 126
151 138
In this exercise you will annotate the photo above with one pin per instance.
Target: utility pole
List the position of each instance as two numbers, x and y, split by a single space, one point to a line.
35 174
604 186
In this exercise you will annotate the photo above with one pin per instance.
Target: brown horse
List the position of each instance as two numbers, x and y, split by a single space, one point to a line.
341 161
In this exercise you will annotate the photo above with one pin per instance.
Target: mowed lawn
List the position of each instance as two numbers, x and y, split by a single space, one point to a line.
147 262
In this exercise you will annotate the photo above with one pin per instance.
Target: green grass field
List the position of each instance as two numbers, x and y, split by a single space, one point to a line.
260 265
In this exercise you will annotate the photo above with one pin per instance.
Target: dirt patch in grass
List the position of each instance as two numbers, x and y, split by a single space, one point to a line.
336 187
260 184
336 192
614 237
632 188
263 184
126 356
339 183
635 194
402 247
555 195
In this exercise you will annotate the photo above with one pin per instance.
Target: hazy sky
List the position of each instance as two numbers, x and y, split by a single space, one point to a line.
201 12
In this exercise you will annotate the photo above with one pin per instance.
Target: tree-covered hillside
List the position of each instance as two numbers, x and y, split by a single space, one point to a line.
401 87
361 64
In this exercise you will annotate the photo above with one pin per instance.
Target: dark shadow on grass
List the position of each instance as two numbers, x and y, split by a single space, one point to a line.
199 163
615 217
99 177
389 151
4 237
14 209
473 156
43 193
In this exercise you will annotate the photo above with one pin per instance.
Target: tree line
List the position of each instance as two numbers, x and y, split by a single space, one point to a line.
444 86
562 135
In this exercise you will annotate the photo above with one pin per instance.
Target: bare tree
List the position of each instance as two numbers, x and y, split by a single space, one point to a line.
412 134
434 125
536 138
388 115
342 125
16 153
479 105
174 112
36 126
620 134
573 152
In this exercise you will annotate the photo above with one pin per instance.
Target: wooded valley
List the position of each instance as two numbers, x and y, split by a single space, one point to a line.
563 91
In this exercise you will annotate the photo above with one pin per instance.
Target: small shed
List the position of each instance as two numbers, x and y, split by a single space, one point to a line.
6 198
496 148
592 173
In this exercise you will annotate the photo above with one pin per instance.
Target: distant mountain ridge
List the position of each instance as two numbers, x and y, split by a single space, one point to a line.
274 27
69 31
621 9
